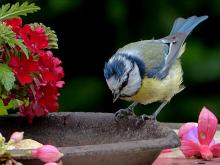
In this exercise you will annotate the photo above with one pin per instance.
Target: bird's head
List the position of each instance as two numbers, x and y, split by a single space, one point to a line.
124 74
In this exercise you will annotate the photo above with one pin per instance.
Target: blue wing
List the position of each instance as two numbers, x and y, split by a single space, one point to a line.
181 29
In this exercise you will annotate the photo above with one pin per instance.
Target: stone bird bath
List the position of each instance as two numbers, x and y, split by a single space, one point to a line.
94 138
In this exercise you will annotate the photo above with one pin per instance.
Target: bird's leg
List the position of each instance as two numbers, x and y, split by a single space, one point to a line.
124 113
154 115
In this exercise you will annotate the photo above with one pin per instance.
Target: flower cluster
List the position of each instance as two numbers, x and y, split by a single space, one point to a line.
48 154
29 73
197 140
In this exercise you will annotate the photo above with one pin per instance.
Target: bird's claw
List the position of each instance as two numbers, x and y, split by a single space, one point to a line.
123 114
148 117
142 119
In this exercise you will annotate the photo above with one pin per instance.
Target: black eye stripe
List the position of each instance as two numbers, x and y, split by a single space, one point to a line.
126 80
124 83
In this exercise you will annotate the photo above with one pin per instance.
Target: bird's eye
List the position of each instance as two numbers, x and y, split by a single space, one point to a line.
125 82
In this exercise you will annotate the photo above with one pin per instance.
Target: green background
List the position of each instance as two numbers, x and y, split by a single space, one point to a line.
91 31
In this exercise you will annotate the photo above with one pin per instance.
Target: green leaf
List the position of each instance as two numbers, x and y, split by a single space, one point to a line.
7 36
7 77
19 43
13 104
9 11
52 37
3 109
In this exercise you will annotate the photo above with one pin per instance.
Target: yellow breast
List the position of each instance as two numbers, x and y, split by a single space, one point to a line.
153 90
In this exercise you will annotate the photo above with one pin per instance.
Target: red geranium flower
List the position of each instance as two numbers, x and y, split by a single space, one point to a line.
35 39
44 99
15 24
50 69
48 97
31 111
38 73
23 67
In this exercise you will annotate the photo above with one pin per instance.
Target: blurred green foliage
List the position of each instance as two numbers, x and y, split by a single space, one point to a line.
82 94
91 31
61 6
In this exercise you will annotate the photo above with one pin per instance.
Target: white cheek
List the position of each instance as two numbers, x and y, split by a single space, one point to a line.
113 84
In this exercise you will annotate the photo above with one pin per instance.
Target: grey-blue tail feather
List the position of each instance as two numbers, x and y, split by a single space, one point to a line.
182 25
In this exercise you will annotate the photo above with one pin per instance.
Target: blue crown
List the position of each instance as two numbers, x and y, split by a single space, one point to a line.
117 67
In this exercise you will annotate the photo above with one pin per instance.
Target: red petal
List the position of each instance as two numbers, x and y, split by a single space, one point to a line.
32 66
47 75
28 64
14 22
24 60
185 128
14 61
207 126
215 150
27 28
189 148
23 78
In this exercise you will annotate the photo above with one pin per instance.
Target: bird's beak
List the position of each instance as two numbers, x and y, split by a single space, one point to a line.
115 96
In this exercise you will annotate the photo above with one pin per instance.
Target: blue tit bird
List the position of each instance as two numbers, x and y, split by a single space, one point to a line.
149 71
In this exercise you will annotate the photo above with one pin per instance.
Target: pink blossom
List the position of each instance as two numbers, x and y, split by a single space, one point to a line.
47 153
185 128
198 140
17 136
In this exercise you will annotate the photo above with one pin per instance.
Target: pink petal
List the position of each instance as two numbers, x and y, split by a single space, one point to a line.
207 126
191 135
167 150
206 152
60 84
17 136
185 128
189 148
47 153
215 150
39 29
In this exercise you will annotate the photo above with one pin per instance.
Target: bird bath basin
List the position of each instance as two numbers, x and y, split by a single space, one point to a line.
94 138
